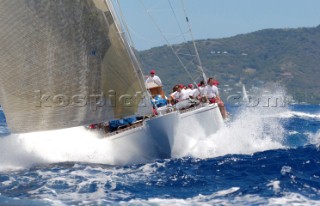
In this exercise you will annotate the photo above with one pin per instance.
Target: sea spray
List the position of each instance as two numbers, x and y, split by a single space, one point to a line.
65 145
256 127
314 138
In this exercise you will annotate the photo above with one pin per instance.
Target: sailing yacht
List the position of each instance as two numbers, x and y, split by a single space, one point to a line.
68 63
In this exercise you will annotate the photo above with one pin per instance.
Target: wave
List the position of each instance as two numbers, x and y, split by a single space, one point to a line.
302 115
267 178
223 198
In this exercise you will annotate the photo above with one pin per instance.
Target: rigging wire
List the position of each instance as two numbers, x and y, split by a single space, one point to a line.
182 34
168 43
175 16
194 43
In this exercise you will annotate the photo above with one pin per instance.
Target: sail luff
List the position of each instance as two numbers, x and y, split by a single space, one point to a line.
63 65
126 38
122 28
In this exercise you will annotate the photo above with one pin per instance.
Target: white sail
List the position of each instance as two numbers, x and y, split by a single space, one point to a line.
245 97
64 64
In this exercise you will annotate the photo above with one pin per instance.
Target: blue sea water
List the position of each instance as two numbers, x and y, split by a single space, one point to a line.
264 156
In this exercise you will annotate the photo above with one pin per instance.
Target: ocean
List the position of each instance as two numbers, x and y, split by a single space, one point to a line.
267 155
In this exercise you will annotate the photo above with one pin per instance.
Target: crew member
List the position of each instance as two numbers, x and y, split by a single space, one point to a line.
212 94
154 78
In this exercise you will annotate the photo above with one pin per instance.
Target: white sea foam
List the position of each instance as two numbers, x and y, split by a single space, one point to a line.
73 144
314 138
275 185
292 199
254 129
197 200
214 199
285 170
75 192
303 115
293 132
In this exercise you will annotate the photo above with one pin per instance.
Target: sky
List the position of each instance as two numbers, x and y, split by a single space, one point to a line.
211 19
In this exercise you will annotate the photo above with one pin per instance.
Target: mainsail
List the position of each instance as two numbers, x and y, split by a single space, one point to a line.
64 64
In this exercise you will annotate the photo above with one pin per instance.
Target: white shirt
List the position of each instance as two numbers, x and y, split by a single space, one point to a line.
199 91
177 95
211 91
194 92
184 94
202 90
189 92
154 79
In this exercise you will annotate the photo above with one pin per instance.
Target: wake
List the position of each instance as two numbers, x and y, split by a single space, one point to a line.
301 115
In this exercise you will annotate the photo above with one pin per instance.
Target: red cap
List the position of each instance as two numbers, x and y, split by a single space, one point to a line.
215 82
190 86
181 86
152 72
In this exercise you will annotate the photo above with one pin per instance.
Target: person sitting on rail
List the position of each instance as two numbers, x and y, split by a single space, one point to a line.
184 92
198 92
177 95
212 94
211 91
181 99
190 91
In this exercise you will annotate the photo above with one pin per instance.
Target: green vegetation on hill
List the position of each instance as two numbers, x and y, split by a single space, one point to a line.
290 57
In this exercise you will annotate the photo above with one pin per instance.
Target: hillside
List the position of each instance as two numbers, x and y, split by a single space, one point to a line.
286 56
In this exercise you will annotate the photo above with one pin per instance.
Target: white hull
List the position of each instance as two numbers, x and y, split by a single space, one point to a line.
156 137
209 119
